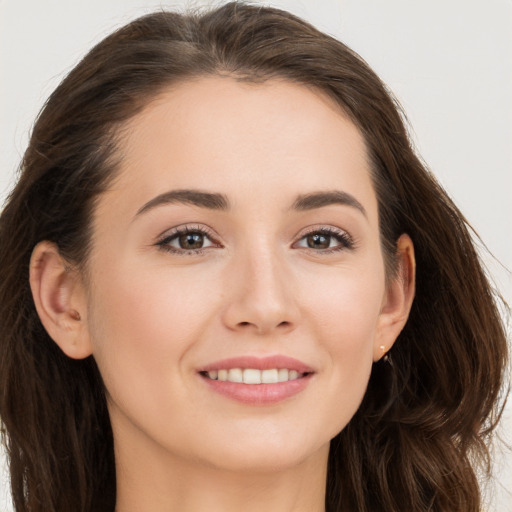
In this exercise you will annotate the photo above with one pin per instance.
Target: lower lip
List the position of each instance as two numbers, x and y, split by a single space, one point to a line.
259 394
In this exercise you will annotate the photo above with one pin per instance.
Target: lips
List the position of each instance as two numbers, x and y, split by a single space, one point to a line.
257 381
259 363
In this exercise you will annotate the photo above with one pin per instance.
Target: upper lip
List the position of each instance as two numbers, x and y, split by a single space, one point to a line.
258 363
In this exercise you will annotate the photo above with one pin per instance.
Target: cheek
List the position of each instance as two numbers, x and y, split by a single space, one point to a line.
138 301
345 323
142 324
347 308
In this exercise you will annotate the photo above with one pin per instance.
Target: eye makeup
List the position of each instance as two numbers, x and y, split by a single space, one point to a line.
190 240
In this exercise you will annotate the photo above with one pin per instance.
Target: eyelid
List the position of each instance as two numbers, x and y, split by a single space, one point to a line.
346 241
176 231
187 228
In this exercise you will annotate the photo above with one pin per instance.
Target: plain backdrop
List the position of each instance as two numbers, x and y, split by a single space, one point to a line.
449 62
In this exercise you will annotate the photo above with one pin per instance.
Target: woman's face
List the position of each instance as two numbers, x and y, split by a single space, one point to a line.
242 234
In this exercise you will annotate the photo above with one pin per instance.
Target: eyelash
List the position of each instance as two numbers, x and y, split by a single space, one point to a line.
342 237
164 242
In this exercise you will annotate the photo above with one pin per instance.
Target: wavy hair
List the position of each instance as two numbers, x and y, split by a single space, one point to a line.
421 432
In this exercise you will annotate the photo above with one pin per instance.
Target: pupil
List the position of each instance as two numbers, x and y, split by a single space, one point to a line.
191 241
318 241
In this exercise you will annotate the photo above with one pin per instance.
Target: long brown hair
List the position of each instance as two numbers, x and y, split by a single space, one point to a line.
415 442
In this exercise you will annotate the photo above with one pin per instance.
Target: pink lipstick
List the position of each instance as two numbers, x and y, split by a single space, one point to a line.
257 380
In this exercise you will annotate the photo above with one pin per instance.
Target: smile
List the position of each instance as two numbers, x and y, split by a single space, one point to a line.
254 376
257 380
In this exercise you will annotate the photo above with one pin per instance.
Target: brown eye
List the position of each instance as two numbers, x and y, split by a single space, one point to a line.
326 240
318 241
189 241
186 241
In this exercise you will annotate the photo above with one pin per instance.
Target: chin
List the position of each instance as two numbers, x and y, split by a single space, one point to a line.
265 456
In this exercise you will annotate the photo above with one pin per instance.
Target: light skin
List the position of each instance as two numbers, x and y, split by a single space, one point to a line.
283 270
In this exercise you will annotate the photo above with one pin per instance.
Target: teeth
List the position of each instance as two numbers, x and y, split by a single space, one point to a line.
282 375
254 376
235 375
269 376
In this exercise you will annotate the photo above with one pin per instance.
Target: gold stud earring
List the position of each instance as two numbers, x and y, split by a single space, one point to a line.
385 356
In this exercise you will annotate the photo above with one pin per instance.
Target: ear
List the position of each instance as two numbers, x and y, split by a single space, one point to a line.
60 301
398 298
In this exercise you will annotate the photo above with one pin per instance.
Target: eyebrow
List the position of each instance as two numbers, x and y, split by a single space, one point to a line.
216 201
208 200
328 198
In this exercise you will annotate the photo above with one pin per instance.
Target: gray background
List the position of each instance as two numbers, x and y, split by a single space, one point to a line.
449 62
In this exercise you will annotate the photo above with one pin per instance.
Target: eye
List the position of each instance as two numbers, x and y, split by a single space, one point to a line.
326 240
186 240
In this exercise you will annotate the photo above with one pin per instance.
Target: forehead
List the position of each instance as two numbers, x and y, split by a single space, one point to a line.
269 138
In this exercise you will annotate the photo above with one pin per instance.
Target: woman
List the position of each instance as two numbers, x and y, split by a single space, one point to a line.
227 281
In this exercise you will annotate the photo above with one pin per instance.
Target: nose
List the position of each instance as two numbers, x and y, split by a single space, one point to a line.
261 295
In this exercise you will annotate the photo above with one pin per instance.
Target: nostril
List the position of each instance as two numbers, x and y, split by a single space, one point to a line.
266 325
